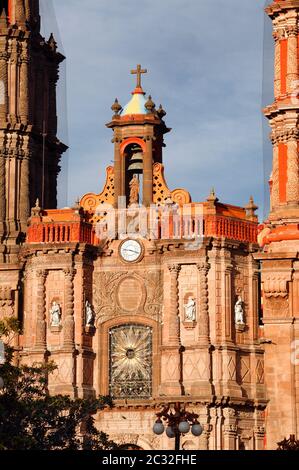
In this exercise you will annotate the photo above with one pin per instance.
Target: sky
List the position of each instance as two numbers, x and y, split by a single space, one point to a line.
209 64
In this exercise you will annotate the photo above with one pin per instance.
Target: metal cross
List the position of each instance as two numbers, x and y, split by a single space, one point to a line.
138 72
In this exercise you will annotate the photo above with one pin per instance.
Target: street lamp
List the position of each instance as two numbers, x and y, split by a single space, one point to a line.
2 361
178 421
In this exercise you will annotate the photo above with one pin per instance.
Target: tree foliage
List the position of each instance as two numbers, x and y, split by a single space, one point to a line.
31 419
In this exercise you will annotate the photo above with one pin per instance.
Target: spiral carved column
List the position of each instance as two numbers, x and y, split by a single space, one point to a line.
292 63
293 171
174 320
41 326
204 327
201 385
24 192
24 90
3 86
69 323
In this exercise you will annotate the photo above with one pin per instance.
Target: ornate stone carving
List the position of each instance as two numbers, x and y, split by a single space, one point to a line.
91 201
41 326
161 192
229 412
107 302
293 171
174 320
259 371
275 285
69 324
204 327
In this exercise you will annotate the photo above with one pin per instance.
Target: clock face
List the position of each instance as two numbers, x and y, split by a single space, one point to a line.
130 250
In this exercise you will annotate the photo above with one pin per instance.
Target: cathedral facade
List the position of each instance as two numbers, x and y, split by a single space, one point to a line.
138 292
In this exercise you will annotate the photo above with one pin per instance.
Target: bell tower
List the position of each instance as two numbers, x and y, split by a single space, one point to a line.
279 237
29 149
138 142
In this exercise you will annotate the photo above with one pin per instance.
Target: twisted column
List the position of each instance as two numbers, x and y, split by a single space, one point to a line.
174 320
24 89
292 67
69 323
41 326
24 192
276 65
204 327
293 172
3 85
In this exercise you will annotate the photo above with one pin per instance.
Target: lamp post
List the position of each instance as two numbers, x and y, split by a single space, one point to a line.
178 421
2 361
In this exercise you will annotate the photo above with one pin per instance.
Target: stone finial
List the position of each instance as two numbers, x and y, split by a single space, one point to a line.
116 107
250 210
212 198
150 105
36 210
52 43
161 112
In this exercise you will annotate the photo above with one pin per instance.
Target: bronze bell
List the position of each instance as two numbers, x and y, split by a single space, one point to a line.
136 162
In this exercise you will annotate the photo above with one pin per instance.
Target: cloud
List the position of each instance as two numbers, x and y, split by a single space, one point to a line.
205 62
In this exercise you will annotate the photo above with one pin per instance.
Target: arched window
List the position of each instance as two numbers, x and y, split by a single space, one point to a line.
130 374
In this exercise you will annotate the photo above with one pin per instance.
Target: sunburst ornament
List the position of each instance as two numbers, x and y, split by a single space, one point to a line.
131 361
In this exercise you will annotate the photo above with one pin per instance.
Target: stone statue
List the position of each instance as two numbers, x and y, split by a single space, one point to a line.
89 315
239 312
55 314
190 310
134 190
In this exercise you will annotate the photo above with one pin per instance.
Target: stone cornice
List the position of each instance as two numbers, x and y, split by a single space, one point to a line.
276 8
284 136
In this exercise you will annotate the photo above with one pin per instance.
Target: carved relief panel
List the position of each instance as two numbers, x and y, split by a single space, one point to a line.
129 292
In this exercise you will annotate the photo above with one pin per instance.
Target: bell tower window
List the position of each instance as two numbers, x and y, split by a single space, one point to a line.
133 174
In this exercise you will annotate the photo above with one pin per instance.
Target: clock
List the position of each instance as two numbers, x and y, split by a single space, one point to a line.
131 251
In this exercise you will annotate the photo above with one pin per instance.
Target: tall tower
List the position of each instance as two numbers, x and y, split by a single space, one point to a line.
29 149
280 235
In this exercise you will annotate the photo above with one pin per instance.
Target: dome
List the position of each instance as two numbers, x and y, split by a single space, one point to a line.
136 104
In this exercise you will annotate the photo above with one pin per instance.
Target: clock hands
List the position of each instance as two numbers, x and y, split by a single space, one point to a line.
132 251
